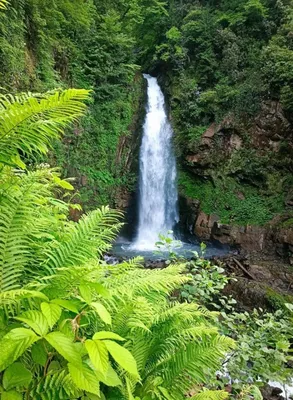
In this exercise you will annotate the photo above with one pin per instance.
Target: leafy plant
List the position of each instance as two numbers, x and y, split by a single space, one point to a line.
263 347
71 326
3 4
206 284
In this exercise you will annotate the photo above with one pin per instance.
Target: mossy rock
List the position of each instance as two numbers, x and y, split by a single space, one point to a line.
277 300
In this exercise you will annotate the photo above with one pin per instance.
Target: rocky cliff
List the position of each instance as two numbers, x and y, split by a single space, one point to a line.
236 182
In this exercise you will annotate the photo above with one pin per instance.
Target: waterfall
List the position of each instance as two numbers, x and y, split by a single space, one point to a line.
157 176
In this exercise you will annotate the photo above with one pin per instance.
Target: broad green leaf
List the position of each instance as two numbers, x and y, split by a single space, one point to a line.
39 354
86 293
122 356
67 304
101 290
11 395
103 312
62 183
111 378
256 393
107 335
52 312
289 306
84 378
98 355
14 344
54 366
80 348
35 320
16 375
64 346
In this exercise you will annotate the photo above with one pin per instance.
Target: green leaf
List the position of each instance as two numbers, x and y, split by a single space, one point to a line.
52 312
289 306
35 320
98 355
107 335
91 396
62 183
18 162
16 375
103 312
54 366
165 393
100 289
39 354
111 378
67 304
86 293
128 387
14 344
11 395
84 378
64 346
122 356
256 393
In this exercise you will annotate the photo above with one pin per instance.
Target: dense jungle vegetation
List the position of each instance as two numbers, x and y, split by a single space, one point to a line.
72 326
218 60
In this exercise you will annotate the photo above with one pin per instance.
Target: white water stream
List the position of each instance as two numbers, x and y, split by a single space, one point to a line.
157 181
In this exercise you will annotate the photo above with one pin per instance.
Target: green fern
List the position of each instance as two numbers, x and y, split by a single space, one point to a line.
28 124
17 207
90 238
211 395
3 4
176 342
56 385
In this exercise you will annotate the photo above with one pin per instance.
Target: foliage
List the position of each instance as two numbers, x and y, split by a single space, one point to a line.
72 326
90 44
223 199
263 345
168 246
29 124
208 281
3 4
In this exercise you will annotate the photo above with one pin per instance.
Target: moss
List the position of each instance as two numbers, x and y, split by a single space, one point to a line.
232 202
288 223
277 300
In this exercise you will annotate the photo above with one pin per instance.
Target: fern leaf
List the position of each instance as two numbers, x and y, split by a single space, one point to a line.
3 4
211 395
30 125
87 239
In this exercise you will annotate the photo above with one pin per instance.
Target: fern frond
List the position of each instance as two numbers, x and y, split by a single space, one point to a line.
3 4
17 210
211 395
87 239
13 296
56 385
153 285
29 124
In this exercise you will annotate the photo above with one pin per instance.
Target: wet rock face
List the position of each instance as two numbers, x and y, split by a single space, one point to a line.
259 155
189 209
275 238
248 238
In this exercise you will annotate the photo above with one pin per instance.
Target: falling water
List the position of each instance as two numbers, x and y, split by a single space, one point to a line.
158 189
